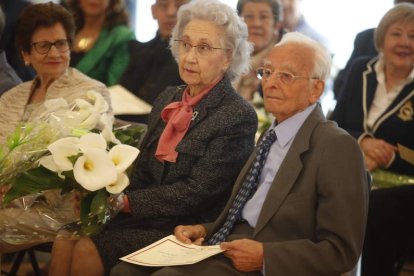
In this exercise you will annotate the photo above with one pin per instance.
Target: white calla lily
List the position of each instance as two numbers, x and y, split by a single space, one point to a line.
121 183
49 163
62 149
91 121
100 103
83 104
105 125
123 156
94 170
92 140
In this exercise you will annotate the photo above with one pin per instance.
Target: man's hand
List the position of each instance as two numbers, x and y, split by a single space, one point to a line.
190 233
246 255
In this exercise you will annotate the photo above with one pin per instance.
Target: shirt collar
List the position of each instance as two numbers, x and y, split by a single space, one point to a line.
286 130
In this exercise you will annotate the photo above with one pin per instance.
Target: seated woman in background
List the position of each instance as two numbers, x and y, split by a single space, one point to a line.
263 19
199 136
44 35
100 47
376 107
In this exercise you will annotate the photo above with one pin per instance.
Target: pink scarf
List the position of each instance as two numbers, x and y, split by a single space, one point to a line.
178 116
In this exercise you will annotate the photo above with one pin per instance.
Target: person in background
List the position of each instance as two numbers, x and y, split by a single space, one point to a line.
364 45
12 9
294 20
152 67
289 212
44 35
199 136
100 49
263 19
376 107
8 77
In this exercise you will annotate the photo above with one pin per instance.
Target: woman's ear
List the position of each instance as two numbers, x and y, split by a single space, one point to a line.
26 58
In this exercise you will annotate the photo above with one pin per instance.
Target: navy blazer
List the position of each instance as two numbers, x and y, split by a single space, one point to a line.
395 125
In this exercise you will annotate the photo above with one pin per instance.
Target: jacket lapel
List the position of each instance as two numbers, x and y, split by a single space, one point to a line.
289 170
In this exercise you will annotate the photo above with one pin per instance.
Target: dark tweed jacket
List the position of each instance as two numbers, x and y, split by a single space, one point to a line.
196 187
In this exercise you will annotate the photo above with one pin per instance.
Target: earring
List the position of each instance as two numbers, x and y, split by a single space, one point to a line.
27 63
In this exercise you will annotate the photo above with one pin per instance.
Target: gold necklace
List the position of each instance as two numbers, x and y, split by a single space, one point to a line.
84 43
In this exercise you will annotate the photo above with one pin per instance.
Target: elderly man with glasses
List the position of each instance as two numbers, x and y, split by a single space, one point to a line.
299 204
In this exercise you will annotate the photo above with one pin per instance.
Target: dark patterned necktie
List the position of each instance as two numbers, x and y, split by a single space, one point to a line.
249 185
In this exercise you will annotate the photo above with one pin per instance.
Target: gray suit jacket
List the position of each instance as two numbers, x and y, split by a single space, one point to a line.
313 218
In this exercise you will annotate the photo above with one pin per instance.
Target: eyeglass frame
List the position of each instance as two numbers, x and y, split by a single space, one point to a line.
250 17
181 41
68 42
293 77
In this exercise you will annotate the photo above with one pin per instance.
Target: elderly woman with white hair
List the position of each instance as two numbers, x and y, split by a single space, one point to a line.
199 136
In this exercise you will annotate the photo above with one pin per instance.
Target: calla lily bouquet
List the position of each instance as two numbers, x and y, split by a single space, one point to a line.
72 147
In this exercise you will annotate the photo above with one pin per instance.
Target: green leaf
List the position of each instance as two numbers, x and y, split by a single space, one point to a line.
33 181
99 205
85 207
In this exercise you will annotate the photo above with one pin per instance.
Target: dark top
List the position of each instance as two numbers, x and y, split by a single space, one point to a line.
363 46
12 9
151 70
8 78
195 188
395 125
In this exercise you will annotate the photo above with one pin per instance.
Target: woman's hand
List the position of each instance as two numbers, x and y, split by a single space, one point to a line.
370 164
190 233
378 150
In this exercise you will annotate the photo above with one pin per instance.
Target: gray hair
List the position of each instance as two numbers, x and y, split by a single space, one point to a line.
323 61
275 5
234 29
403 12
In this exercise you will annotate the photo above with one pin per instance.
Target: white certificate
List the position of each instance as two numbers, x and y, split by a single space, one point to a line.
406 153
170 251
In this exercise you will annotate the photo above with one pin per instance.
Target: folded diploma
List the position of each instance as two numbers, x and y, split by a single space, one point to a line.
170 251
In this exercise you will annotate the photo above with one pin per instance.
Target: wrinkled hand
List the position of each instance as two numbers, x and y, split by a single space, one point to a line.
378 150
246 255
190 233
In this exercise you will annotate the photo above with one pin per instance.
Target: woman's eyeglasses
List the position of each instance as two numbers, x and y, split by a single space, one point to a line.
202 50
43 47
284 77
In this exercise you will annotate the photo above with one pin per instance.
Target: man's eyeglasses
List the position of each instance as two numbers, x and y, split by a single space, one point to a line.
284 77
202 50
43 47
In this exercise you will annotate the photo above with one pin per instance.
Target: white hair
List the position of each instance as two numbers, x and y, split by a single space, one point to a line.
323 61
222 15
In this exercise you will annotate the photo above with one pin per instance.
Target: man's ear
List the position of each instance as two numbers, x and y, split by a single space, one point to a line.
318 87
153 11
